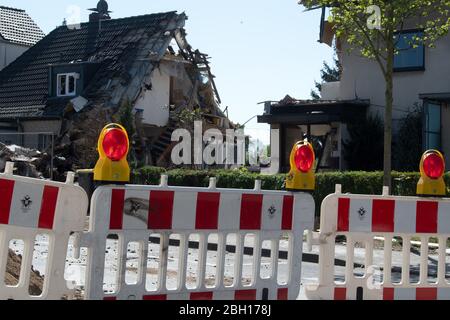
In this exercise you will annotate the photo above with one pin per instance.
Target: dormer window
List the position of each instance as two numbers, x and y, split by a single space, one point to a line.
67 84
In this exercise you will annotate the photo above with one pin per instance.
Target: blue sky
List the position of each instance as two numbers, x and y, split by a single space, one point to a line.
260 49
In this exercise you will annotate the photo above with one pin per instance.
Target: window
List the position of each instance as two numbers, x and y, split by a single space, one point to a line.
43 141
411 53
432 126
66 85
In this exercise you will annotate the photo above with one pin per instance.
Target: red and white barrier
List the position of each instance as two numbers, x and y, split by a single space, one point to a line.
362 218
32 207
134 213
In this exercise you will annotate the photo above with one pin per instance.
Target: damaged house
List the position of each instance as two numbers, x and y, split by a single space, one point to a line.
81 77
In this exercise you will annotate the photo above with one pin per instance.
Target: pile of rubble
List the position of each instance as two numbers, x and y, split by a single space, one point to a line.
13 273
34 164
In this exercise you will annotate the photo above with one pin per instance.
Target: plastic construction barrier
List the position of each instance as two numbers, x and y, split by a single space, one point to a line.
164 243
399 270
33 209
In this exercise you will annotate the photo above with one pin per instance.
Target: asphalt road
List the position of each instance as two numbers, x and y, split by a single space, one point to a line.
310 271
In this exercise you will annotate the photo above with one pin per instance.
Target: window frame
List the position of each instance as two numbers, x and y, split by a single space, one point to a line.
67 77
416 68
425 126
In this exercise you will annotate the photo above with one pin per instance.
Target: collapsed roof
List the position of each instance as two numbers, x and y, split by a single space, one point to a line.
125 50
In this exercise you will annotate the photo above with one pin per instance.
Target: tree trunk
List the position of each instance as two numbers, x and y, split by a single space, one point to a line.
387 180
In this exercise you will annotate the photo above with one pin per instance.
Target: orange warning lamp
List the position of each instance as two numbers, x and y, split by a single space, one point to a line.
432 169
113 148
301 177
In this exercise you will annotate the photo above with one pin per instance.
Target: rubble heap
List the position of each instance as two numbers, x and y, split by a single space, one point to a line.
33 163
13 272
29 163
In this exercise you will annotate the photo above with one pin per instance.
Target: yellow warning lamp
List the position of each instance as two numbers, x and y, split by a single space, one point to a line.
432 168
301 177
113 148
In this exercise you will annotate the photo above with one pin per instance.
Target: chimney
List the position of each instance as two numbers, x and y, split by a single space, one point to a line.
100 13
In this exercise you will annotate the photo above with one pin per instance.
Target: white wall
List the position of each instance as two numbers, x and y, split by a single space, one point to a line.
155 102
10 52
362 79
331 90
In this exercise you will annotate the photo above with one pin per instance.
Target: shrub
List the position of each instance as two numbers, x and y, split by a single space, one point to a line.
147 175
126 118
407 150
356 182
366 142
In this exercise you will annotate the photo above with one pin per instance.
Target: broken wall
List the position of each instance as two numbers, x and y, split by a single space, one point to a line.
170 85
155 100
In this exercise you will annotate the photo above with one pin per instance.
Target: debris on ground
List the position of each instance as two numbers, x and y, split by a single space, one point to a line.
12 275
33 163
24 159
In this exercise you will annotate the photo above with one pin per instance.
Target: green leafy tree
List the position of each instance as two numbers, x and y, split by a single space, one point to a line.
187 117
370 27
327 74
126 117
364 150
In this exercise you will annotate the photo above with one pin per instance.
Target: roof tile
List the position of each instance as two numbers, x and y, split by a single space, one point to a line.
17 26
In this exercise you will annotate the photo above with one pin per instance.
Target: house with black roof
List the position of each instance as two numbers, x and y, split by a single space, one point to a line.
79 77
18 32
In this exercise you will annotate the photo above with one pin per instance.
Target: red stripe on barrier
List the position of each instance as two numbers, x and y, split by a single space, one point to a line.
160 210
202 296
340 294
251 206
283 294
207 216
6 190
245 295
383 215
426 217
288 208
388 293
343 214
48 207
110 298
426 294
161 297
117 204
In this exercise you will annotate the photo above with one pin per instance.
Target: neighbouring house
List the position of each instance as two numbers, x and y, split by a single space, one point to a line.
18 32
421 81
81 77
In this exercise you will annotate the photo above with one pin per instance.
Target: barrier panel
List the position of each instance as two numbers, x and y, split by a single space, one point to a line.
163 243
364 221
32 209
